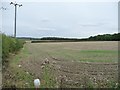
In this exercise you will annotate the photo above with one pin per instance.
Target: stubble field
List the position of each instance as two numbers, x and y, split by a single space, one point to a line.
71 65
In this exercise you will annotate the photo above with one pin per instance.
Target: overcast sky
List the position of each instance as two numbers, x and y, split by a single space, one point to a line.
62 19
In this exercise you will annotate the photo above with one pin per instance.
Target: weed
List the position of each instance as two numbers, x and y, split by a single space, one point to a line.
48 77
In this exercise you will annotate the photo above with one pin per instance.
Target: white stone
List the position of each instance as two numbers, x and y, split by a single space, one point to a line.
19 66
27 72
54 62
42 66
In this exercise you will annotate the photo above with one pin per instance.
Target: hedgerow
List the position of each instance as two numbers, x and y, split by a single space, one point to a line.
10 45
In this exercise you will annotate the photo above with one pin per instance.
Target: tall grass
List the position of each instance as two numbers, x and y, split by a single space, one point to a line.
10 45
49 78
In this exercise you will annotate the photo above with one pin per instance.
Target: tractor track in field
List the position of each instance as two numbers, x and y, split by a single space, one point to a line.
76 74
73 73
68 72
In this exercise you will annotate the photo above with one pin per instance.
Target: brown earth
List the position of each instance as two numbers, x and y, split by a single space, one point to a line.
71 73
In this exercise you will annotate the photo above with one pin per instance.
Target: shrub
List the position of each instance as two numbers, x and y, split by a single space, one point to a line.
10 45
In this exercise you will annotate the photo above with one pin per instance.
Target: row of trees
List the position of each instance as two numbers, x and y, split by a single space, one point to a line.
58 38
105 37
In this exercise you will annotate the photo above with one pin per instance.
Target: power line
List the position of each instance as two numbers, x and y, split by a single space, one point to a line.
2 8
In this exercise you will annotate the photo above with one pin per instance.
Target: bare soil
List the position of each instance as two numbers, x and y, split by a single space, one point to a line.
70 73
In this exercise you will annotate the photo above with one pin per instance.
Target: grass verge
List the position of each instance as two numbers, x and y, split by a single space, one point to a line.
15 75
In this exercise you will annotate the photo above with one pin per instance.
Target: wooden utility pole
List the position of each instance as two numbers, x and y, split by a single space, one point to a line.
15 4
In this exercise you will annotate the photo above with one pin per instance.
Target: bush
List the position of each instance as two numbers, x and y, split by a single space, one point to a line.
10 45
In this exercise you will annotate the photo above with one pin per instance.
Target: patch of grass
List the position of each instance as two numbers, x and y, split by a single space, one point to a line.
48 77
99 55
86 55
94 60
20 78
112 84
22 54
99 51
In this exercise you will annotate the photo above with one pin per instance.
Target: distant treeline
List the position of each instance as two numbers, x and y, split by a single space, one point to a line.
58 38
47 38
104 37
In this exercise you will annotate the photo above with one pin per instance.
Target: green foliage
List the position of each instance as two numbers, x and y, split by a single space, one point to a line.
105 37
48 77
10 45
